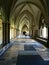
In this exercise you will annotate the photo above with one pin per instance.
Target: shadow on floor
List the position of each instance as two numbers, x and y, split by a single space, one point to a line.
31 60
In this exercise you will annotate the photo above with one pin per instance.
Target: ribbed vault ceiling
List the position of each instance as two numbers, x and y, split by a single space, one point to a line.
18 11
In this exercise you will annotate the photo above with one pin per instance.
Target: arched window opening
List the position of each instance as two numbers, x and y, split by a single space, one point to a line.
0 31
11 32
44 32
1 27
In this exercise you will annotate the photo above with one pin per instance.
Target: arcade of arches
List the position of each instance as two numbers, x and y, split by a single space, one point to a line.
24 18
29 16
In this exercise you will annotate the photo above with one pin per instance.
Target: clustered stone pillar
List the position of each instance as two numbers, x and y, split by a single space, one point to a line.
17 32
6 33
3 25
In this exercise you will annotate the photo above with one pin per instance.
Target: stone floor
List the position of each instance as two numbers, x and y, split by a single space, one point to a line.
23 47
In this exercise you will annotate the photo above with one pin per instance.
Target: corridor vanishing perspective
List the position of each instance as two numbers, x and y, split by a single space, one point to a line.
24 32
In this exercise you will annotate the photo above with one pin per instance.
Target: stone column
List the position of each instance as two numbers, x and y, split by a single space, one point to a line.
32 32
17 32
3 38
6 33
